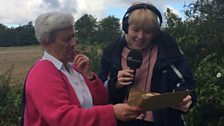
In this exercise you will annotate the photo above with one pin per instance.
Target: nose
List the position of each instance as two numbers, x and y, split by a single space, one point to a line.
140 34
74 41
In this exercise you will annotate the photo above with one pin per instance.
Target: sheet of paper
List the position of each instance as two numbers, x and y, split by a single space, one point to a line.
152 101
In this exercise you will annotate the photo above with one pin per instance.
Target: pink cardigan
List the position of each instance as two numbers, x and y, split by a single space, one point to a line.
51 100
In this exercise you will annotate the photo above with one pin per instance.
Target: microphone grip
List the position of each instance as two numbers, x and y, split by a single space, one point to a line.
133 81
131 85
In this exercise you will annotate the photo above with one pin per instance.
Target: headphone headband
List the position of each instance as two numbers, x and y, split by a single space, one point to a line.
140 6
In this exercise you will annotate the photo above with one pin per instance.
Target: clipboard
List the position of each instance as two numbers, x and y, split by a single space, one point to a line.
152 101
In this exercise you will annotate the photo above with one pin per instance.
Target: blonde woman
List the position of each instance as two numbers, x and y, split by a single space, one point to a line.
163 69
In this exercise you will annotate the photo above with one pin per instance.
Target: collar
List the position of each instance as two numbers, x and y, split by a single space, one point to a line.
58 64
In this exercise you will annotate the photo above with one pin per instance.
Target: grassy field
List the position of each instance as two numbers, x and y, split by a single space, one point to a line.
20 58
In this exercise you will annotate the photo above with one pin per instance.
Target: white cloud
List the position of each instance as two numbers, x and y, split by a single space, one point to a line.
22 11
93 7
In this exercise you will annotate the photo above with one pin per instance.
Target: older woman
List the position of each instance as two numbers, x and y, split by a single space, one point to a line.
58 93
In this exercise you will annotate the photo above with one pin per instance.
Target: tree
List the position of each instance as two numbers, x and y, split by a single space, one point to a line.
109 29
25 35
201 36
202 32
86 28
19 36
185 34
3 35
2 27
208 17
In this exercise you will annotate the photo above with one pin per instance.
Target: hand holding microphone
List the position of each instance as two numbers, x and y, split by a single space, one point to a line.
124 78
127 76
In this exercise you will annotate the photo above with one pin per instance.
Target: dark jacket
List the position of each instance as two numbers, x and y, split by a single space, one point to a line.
164 79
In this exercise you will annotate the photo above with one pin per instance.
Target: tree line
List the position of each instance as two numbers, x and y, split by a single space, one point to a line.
87 27
19 36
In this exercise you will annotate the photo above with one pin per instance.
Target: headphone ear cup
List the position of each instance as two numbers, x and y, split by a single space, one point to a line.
125 24
156 34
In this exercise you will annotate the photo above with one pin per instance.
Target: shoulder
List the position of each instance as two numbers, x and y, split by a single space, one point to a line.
168 44
42 69
43 66
165 39
115 46
43 75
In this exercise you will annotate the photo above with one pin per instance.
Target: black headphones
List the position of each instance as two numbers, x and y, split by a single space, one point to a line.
139 6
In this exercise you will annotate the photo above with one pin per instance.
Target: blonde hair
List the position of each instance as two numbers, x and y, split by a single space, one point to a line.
143 18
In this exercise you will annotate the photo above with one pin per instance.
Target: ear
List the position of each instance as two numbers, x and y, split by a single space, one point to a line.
46 43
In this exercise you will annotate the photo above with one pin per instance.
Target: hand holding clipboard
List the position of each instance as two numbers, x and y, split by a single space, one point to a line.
152 101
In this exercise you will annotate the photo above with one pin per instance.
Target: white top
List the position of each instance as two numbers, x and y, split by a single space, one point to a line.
76 80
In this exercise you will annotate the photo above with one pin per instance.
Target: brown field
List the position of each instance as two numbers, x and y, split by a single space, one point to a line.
20 58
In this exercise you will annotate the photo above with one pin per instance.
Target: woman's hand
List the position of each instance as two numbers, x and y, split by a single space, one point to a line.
184 105
84 65
124 77
125 112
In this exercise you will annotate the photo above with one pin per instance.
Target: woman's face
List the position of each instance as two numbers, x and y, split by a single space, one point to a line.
63 46
139 38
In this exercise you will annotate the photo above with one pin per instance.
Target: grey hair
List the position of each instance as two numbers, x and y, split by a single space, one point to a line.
48 23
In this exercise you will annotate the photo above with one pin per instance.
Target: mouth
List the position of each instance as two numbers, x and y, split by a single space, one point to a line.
139 43
76 51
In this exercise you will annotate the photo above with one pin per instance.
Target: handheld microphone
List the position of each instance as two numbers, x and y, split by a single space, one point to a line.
134 61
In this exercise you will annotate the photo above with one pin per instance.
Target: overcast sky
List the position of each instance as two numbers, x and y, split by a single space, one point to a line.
20 12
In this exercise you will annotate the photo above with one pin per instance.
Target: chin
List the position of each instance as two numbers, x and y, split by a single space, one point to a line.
139 47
